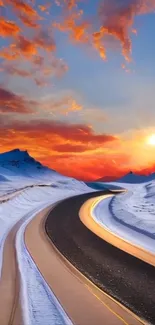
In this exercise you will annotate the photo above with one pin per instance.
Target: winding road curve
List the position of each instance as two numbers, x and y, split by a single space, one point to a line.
127 279
71 248
86 216
84 303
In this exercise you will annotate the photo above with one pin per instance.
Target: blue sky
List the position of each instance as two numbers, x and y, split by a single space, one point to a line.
113 101
105 85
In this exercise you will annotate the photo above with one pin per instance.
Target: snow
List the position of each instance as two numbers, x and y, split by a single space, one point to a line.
130 215
133 178
100 186
26 189
19 170
137 208
39 304
25 201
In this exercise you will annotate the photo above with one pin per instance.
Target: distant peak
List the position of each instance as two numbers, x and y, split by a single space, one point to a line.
16 151
15 154
20 159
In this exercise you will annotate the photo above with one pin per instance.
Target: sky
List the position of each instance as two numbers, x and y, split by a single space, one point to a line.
77 84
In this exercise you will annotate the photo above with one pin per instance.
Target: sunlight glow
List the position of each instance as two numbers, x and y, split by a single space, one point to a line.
151 140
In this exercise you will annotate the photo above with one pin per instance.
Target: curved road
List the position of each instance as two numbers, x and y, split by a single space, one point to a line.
85 214
126 278
103 264
84 303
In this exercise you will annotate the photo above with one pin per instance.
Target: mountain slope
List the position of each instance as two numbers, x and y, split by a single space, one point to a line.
19 170
19 163
133 178
107 179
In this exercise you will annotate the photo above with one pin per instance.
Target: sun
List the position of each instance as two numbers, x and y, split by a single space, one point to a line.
151 140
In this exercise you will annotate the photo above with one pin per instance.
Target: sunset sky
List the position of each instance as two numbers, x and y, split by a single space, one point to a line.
77 84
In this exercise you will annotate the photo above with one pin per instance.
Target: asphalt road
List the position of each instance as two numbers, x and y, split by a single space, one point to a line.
83 302
124 277
109 236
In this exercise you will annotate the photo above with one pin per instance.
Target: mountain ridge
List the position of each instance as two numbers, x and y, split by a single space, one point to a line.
20 163
130 177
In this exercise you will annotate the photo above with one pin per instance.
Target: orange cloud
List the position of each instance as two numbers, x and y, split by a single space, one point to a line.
72 23
26 47
37 68
28 21
24 7
9 54
70 4
59 145
75 133
74 150
69 147
64 105
10 102
44 39
117 18
44 8
8 28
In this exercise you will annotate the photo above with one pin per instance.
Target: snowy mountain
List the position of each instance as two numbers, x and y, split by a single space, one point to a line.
151 177
19 170
133 178
18 163
107 179
3 178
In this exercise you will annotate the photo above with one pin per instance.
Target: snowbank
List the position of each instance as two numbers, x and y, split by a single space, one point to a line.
130 215
40 306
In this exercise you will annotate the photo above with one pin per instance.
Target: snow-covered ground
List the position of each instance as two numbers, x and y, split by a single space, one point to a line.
130 215
19 170
26 187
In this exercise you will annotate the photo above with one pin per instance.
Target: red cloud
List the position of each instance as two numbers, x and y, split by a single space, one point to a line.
116 18
10 102
44 40
24 7
74 132
59 146
53 148
8 28
26 47
28 21
68 147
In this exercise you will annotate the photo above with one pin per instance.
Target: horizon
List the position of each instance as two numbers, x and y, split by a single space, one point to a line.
106 177
77 85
